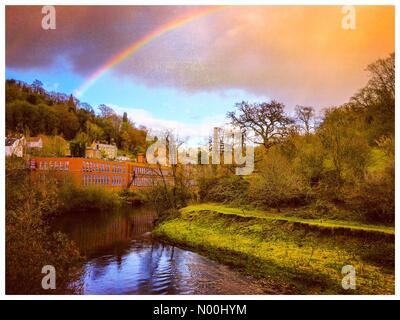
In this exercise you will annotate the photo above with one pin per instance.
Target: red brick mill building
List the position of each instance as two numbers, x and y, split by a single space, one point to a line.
104 173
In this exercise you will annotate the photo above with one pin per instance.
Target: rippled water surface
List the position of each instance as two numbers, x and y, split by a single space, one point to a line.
123 258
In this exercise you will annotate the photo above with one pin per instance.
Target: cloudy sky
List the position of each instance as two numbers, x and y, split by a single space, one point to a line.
190 76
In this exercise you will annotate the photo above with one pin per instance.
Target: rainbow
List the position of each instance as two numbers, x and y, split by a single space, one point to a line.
140 43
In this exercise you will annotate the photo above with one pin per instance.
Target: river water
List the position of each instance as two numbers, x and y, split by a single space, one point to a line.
121 257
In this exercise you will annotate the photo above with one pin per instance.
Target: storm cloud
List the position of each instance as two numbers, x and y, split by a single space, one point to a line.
298 55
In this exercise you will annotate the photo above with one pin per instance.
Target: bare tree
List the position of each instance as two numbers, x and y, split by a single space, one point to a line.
172 186
268 121
305 115
106 111
37 86
87 107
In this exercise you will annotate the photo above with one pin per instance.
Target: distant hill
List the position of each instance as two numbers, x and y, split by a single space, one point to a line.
31 110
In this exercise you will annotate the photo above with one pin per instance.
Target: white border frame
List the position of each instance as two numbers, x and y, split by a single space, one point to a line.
396 296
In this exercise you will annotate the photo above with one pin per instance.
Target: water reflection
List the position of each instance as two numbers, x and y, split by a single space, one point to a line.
98 233
121 258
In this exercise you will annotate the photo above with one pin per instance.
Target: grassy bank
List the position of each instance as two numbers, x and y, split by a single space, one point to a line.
292 255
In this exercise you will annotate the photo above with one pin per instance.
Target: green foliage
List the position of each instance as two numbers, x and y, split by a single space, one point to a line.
225 189
376 101
277 184
309 158
271 215
77 199
375 197
78 145
343 137
77 149
53 146
31 203
94 131
134 197
344 167
168 193
30 243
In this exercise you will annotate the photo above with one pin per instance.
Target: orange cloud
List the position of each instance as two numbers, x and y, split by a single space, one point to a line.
297 54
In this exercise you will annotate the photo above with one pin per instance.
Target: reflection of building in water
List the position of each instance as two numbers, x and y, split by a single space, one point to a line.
102 173
100 232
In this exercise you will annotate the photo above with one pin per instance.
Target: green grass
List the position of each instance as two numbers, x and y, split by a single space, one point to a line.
272 216
293 255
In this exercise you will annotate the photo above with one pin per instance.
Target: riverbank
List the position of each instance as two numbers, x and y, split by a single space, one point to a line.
298 256
121 257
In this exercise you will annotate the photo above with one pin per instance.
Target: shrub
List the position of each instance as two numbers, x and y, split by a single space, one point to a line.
134 197
232 189
77 199
374 198
30 243
277 184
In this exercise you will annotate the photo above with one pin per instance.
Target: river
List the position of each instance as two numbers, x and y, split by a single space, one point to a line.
122 257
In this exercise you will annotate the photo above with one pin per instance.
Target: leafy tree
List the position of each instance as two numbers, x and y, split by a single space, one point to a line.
78 145
95 132
69 123
277 184
345 144
125 117
377 99
71 103
31 108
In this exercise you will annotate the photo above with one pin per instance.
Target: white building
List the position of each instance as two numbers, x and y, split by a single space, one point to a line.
101 150
34 142
15 147
123 158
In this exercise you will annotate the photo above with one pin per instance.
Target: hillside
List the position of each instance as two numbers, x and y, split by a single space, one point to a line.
32 111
